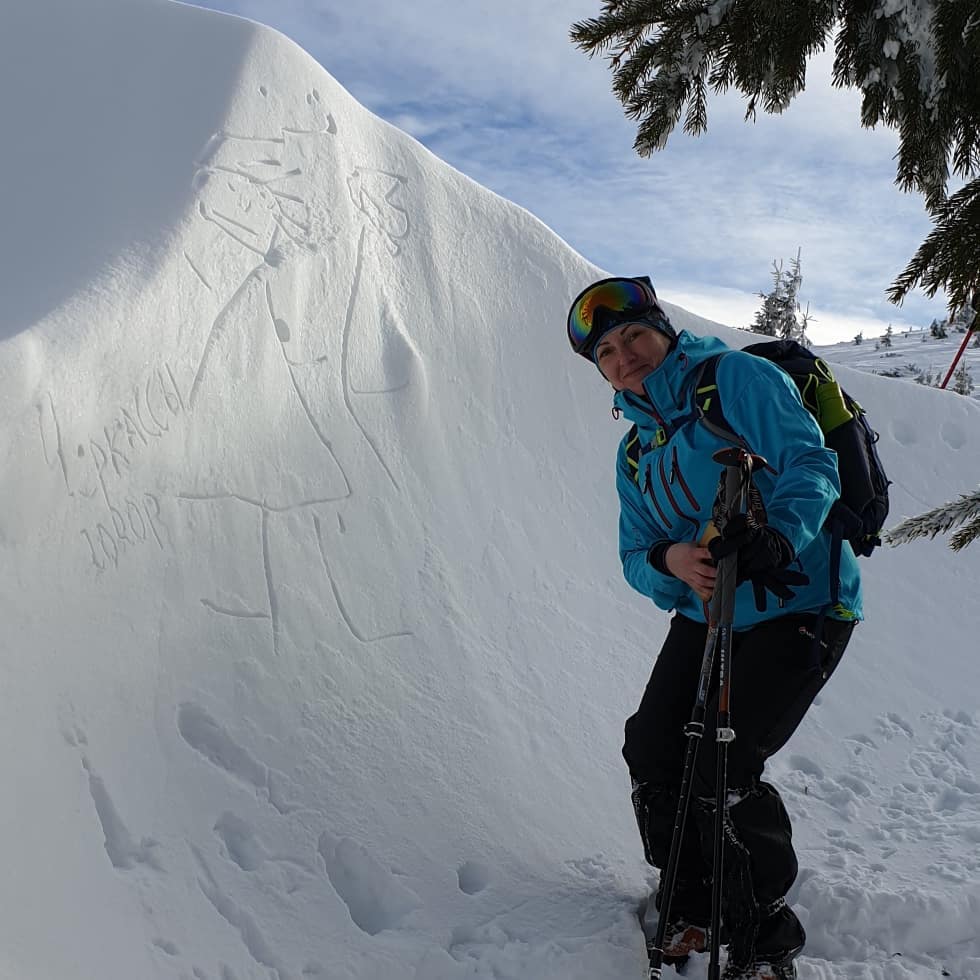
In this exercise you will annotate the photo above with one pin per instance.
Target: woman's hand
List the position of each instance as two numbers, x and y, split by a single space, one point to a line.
694 566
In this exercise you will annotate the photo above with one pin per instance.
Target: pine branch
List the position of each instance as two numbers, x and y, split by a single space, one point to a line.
947 258
965 535
915 62
667 54
939 520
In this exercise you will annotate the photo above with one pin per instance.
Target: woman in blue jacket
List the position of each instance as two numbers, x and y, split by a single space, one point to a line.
788 635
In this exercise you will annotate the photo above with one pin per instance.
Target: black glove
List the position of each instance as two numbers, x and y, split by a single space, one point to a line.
763 554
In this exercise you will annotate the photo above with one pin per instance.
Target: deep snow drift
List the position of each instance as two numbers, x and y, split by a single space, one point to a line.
316 648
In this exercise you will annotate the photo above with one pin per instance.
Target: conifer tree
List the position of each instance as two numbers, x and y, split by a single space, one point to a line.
859 339
963 380
767 316
961 320
780 314
915 62
886 337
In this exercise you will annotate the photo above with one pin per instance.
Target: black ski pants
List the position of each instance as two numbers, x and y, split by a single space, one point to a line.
777 669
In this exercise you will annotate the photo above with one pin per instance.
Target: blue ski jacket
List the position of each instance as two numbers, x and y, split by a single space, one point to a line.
677 479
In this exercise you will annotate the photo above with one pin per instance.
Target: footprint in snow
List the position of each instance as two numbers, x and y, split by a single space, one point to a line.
890 725
241 844
375 898
473 877
207 736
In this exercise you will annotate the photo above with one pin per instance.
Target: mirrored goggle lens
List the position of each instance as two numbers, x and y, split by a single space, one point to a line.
619 296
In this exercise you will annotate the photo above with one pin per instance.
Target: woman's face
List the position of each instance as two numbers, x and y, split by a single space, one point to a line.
626 355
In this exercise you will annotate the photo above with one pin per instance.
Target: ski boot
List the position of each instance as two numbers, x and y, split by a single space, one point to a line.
682 939
778 942
760 970
686 933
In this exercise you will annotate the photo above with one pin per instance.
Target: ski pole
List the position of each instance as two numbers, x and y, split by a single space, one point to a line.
694 731
973 326
739 465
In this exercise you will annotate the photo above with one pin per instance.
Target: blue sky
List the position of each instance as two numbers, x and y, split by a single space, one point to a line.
498 91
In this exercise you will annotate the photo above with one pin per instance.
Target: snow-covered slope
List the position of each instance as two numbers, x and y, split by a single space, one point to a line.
315 648
915 355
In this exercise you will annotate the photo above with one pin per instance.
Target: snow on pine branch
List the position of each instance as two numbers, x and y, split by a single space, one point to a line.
942 519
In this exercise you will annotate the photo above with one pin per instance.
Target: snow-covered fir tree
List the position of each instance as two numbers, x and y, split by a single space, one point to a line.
961 320
963 381
859 339
886 337
781 314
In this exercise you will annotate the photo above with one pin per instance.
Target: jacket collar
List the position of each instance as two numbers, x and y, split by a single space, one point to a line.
668 395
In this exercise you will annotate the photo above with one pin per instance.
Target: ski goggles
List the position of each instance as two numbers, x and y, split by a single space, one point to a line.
607 304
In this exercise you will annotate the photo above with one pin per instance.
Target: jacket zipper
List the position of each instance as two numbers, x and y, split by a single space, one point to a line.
675 471
665 483
648 489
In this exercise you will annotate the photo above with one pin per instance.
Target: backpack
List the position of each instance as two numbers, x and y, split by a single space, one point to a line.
858 516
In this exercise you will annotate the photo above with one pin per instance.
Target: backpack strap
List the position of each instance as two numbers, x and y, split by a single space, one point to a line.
633 452
705 386
836 544
707 402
